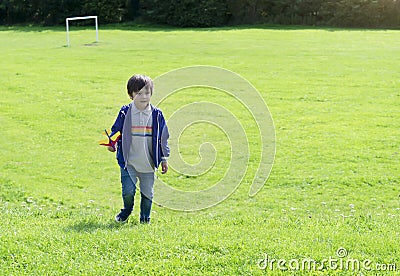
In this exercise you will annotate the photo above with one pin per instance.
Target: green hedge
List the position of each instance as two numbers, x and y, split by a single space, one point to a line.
209 13
186 13
54 12
340 13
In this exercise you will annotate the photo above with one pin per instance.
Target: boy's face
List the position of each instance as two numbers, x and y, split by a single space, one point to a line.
142 98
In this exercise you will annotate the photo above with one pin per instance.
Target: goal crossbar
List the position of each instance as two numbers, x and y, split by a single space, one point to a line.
82 18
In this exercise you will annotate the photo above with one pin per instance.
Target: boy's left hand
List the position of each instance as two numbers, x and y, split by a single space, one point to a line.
164 167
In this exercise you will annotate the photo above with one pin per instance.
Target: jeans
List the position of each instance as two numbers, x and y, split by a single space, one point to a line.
129 178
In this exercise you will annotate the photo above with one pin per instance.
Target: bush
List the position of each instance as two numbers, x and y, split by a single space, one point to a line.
275 11
53 12
362 13
107 11
209 13
186 13
339 13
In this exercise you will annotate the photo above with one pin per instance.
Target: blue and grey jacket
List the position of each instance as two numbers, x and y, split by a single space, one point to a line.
160 135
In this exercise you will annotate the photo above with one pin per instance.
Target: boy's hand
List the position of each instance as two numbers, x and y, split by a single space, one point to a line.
111 149
164 167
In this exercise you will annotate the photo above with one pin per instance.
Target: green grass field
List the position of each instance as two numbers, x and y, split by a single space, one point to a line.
334 96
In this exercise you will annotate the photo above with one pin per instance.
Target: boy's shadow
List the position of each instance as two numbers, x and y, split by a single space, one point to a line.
89 226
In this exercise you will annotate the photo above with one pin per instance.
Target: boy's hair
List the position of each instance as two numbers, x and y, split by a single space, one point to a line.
137 82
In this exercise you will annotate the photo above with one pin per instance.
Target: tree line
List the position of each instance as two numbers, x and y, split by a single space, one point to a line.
208 13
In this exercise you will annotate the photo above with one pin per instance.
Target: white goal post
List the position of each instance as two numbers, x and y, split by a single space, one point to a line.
81 18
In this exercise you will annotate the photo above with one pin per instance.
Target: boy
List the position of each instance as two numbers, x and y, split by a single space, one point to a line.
142 147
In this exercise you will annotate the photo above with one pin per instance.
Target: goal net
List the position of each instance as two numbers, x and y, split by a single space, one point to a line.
81 18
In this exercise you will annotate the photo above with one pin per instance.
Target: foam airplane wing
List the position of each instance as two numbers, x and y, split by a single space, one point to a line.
112 140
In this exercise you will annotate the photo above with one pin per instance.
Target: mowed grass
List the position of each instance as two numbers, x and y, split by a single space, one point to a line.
334 96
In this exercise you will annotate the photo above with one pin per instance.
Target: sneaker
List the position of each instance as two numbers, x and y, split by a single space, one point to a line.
145 221
120 218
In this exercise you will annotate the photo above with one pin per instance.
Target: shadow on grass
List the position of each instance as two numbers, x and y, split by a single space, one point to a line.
163 28
89 226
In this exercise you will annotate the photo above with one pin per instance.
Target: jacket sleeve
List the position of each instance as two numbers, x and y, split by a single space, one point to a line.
164 143
119 122
164 139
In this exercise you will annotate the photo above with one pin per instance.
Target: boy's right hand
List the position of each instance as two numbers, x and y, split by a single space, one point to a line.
111 149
